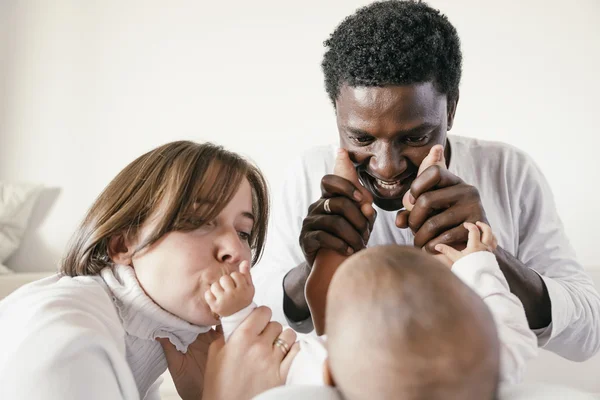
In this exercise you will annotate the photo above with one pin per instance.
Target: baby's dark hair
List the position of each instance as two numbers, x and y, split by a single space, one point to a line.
393 43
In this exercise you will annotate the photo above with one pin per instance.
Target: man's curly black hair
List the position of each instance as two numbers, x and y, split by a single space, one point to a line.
393 42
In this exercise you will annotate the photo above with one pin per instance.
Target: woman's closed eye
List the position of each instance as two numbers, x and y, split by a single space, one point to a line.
245 236
191 223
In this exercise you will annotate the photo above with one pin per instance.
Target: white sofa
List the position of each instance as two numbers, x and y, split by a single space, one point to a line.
548 368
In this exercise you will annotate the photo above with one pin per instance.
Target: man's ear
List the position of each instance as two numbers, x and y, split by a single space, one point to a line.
452 104
327 378
120 249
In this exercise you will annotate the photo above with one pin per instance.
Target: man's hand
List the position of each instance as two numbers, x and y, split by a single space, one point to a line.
442 203
231 293
347 227
188 369
481 238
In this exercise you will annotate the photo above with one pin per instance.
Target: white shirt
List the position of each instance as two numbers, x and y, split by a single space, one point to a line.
88 337
481 272
519 206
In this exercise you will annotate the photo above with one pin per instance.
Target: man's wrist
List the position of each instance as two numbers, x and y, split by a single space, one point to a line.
529 287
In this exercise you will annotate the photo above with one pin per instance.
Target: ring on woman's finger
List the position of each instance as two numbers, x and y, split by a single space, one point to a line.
282 345
326 206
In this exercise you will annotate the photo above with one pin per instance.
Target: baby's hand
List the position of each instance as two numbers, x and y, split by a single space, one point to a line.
231 293
481 238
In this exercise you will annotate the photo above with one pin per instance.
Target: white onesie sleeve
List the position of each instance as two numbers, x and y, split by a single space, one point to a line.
518 343
230 323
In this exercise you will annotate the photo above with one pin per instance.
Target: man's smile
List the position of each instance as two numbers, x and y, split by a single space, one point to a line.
388 189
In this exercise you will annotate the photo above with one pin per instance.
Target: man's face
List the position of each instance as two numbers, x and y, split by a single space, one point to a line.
388 131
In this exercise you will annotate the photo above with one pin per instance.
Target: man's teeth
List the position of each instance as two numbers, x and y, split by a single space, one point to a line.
388 185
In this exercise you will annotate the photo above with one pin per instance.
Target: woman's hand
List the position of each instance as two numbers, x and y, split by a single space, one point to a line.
250 363
188 370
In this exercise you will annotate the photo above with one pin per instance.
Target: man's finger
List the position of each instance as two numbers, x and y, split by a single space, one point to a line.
438 225
402 219
333 185
431 203
316 240
434 157
434 177
344 168
370 213
456 237
349 209
340 228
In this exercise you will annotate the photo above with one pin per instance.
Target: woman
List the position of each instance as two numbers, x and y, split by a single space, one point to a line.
135 273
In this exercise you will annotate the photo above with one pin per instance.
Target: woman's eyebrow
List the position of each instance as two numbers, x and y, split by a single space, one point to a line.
249 215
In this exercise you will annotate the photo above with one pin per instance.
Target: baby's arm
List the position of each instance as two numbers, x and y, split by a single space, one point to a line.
478 268
231 298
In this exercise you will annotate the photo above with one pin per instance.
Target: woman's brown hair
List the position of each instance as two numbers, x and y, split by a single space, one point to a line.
166 183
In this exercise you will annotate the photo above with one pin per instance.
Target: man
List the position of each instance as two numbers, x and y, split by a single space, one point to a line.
392 71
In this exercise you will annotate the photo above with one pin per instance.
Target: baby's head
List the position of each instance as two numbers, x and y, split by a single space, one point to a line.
400 325
182 215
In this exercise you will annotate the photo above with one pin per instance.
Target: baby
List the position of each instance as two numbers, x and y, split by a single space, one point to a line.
402 325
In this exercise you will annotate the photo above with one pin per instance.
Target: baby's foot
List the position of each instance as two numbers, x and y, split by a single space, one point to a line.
231 293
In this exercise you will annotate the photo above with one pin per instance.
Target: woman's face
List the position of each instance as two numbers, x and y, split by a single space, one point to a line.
179 268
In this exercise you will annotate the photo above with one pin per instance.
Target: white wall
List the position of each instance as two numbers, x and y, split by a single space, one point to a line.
86 86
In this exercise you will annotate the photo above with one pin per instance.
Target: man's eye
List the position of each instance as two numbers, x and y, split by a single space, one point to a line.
415 139
362 139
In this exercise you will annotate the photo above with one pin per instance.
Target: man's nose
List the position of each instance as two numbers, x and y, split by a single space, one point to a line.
387 161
